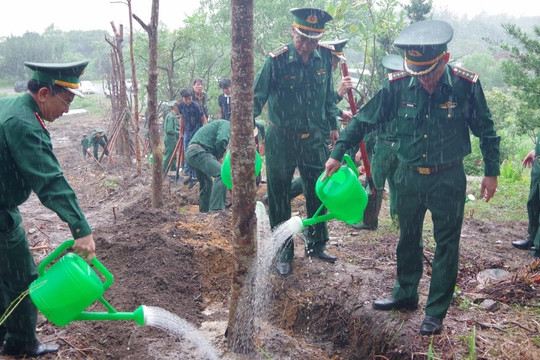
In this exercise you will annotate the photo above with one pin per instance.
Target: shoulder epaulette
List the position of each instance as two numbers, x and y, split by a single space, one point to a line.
279 51
396 75
465 74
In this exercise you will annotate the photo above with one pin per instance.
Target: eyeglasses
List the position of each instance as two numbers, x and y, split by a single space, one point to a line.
68 104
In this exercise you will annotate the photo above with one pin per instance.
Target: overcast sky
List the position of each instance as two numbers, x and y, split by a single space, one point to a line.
19 16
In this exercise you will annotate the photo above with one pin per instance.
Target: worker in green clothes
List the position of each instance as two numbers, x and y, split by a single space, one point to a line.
204 154
171 127
435 105
296 81
99 138
27 163
384 160
85 142
335 50
532 241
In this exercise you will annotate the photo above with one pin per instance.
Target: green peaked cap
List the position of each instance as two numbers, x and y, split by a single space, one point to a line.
310 22
424 44
65 75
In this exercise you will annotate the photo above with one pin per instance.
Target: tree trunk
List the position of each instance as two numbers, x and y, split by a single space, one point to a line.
241 331
135 92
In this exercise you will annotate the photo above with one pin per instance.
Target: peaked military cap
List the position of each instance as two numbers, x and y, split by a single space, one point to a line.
338 47
66 75
424 43
172 103
393 62
310 22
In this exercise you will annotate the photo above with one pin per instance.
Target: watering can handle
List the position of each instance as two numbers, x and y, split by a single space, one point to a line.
60 249
350 163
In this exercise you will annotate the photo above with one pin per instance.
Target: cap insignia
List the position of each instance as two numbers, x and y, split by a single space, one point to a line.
414 53
312 19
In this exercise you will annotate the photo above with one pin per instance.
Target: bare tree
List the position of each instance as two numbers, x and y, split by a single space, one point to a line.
151 87
240 331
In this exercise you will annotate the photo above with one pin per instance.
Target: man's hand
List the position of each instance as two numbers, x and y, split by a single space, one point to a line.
334 136
85 247
344 85
529 159
332 165
489 186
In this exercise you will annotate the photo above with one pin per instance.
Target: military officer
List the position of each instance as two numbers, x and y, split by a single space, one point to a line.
85 142
532 241
171 127
435 106
296 81
206 148
27 163
99 138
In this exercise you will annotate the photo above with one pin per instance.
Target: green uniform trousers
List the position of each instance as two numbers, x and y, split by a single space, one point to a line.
533 208
170 143
17 271
443 194
285 152
212 193
384 166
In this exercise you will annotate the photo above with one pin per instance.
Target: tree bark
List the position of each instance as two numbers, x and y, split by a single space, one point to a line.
241 330
151 87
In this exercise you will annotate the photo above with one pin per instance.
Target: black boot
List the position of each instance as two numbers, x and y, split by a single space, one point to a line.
34 349
525 244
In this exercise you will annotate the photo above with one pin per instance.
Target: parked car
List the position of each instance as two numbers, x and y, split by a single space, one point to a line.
20 86
87 87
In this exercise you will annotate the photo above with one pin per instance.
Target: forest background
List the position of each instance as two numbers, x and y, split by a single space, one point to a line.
502 49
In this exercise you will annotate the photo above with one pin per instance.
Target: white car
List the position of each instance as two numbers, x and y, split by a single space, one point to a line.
87 87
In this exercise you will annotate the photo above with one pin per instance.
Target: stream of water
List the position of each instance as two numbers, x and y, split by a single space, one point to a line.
165 320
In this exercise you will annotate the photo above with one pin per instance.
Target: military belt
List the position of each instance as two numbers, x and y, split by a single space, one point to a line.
435 169
290 133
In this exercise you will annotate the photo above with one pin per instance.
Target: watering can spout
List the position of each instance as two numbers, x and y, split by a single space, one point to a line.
138 316
296 224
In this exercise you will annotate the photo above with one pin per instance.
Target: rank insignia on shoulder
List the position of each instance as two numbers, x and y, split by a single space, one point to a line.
279 51
396 75
465 74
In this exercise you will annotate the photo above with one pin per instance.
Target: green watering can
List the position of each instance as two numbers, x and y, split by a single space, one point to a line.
342 194
226 168
70 285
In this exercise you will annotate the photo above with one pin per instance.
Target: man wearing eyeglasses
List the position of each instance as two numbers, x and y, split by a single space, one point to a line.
27 163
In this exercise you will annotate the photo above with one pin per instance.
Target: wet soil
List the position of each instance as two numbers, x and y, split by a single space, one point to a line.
180 260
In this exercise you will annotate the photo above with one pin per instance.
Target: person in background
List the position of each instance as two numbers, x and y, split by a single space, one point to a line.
85 142
532 241
28 163
97 139
193 119
171 127
199 95
205 154
296 81
224 100
384 161
435 105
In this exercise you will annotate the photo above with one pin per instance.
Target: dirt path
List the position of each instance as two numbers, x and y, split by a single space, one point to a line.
181 261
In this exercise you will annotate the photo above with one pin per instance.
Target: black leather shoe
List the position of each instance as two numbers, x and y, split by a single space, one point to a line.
35 349
430 326
283 268
362 226
192 183
390 303
323 255
525 244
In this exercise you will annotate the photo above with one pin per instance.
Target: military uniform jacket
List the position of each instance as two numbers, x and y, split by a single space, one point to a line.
171 126
214 137
432 130
299 96
27 163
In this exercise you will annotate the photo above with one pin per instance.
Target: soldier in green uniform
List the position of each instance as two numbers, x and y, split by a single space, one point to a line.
384 161
97 139
532 241
435 106
85 142
296 81
204 152
171 127
27 163
335 50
